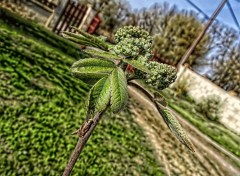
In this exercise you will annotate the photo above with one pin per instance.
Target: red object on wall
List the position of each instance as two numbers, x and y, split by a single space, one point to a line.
94 24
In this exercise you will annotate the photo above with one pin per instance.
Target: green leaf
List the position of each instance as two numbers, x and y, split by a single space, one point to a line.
99 95
93 62
175 126
104 96
90 75
78 39
92 39
103 54
91 69
119 95
70 35
136 64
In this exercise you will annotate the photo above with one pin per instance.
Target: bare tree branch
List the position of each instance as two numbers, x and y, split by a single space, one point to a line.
81 143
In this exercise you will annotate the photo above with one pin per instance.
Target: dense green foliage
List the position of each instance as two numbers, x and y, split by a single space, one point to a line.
176 34
41 104
136 44
132 48
226 73
210 107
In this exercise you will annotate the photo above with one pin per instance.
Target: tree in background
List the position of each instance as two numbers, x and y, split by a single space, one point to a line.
222 39
147 18
225 60
176 34
226 70
114 14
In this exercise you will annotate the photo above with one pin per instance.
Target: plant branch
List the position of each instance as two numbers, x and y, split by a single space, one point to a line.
149 96
130 78
81 143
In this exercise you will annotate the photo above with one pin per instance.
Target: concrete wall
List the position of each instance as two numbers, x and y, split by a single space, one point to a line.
201 87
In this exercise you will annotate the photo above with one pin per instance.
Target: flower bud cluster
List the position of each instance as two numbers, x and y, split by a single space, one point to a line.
132 41
135 43
161 76
131 32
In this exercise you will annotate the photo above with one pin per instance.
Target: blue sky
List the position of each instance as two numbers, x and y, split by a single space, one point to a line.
208 6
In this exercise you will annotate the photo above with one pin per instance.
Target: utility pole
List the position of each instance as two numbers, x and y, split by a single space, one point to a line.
200 36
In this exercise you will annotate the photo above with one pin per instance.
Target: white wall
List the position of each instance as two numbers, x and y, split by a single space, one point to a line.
201 87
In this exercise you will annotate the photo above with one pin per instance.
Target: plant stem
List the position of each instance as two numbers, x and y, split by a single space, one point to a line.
133 84
81 143
150 97
130 78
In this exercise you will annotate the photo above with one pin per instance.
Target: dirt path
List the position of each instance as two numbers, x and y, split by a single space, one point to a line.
178 160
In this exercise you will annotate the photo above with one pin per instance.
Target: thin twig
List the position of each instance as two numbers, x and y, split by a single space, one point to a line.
81 143
133 84
130 78
150 97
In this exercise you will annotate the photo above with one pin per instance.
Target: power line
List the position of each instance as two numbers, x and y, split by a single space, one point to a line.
233 14
198 9
200 36
207 17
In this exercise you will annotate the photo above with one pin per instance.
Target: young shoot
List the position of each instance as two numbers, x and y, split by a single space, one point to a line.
110 69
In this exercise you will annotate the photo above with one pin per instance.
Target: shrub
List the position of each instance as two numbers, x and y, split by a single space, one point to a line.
180 87
210 107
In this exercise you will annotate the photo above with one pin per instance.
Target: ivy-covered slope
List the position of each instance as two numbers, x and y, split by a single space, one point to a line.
41 104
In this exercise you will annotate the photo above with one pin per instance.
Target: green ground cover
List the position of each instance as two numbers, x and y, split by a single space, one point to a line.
41 104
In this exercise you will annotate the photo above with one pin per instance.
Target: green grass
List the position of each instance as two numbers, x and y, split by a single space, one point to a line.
41 104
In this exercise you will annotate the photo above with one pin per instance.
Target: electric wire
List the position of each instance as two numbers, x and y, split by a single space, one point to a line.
233 15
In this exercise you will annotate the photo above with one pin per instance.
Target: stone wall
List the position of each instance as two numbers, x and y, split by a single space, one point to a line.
199 87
